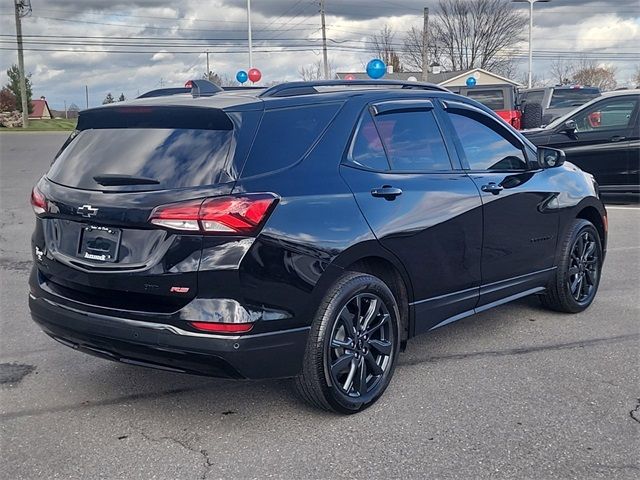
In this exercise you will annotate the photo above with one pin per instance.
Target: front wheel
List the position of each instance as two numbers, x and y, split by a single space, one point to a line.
353 345
577 277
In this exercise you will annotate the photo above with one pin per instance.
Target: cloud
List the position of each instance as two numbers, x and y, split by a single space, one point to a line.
162 55
137 45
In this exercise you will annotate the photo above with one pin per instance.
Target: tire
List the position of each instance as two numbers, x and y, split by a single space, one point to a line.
576 280
531 115
347 369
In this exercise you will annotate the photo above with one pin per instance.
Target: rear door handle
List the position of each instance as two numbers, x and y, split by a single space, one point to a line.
387 192
618 138
492 188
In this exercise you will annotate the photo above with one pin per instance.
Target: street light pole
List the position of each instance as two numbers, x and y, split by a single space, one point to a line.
22 9
249 33
530 2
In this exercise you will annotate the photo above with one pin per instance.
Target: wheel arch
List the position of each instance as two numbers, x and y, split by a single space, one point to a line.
592 215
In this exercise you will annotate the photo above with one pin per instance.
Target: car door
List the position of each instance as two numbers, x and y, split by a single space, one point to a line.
418 205
520 219
603 141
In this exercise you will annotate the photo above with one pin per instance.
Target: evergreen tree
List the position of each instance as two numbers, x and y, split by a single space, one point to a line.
121 98
14 85
108 99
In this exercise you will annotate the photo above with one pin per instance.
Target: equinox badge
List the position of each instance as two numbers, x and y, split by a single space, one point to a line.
87 211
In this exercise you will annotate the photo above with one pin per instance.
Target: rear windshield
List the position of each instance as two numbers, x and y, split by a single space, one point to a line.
494 99
152 152
574 97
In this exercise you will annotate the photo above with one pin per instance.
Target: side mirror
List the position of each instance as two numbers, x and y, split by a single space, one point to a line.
570 126
550 157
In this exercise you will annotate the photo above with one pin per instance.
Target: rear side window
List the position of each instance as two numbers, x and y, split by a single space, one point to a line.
367 149
286 135
413 141
572 97
484 148
493 99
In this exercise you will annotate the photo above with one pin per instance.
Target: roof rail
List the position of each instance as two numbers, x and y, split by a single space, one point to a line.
292 89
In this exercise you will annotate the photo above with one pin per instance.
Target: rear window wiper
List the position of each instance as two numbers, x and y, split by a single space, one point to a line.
111 180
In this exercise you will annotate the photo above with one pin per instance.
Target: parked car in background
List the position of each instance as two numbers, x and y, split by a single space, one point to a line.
502 99
554 102
602 137
307 230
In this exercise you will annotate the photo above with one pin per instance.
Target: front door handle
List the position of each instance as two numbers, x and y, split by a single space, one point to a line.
618 138
387 192
492 188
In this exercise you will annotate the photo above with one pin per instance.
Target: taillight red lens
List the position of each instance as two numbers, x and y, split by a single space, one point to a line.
38 201
222 327
243 214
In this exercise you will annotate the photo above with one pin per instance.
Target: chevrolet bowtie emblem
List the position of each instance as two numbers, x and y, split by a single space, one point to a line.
87 211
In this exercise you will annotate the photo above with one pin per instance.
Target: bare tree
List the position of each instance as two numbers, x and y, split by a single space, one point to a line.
562 71
315 71
588 72
382 45
478 33
411 53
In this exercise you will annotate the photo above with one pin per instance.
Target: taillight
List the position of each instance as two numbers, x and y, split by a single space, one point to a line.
214 327
242 214
38 201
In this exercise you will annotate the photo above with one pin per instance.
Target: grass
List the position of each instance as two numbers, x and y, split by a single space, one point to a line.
54 125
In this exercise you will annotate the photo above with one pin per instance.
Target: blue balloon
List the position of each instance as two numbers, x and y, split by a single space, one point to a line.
242 76
471 82
376 68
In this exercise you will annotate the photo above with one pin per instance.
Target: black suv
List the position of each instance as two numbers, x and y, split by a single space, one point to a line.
602 137
307 230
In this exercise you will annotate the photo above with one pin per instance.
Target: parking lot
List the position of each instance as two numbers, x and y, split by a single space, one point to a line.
516 392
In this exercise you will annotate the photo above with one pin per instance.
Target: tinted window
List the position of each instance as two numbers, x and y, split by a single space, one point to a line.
413 141
286 135
175 158
367 149
484 148
572 97
533 97
494 99
606 115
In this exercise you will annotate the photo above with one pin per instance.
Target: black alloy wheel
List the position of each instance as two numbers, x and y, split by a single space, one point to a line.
353 345
361 346
575 282
584 268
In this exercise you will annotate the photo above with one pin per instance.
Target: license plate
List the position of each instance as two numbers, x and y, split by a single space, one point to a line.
100 243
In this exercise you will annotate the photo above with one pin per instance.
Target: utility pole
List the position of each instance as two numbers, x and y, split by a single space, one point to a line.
22 9
208 70
531 2
249 33
86 94
425 46
324 41
66 116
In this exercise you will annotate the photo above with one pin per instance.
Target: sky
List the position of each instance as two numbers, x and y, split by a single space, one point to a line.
137 45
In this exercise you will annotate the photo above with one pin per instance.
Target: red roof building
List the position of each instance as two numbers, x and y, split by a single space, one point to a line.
41 110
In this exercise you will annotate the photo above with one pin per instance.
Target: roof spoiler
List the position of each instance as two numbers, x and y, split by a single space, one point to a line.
202 88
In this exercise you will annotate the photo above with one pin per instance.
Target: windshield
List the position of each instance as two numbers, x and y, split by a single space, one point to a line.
164 157
572 97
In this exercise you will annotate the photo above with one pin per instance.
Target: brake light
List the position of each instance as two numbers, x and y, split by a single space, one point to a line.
213 327
38 201
243 214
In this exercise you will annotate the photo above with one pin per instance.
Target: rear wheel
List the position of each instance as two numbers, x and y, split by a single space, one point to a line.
352 347
577 277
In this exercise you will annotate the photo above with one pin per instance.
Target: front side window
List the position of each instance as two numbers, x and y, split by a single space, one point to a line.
606 115
485 148
413 141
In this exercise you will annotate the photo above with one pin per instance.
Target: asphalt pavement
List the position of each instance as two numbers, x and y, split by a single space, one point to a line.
516 392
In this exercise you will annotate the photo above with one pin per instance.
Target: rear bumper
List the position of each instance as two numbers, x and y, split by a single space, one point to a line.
264 355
